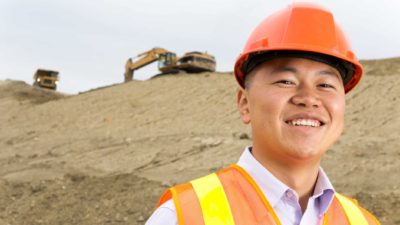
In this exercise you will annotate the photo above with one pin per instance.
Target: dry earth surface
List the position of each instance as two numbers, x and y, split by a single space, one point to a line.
106 155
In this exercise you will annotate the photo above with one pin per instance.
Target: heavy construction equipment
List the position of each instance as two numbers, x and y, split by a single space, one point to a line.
168 62
46 79
196 62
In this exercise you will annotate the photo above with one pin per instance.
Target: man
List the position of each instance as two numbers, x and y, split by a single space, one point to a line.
294 72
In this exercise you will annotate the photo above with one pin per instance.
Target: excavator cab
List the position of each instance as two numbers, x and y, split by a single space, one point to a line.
166 60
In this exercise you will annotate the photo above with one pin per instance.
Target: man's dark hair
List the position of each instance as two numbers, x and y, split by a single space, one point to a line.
346 69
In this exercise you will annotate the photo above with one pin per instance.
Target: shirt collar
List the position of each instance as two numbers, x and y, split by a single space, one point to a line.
323 191
273 189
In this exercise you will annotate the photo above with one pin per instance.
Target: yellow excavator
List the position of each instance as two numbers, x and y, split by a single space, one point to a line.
168 62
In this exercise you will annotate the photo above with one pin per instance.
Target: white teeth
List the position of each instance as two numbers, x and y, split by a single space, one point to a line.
305 122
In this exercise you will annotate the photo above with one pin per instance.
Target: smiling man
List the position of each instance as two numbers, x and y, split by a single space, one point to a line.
293 74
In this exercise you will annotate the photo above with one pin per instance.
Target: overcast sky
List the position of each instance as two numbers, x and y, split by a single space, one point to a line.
89 41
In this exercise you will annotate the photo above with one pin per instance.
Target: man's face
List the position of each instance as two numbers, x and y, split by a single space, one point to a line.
295 107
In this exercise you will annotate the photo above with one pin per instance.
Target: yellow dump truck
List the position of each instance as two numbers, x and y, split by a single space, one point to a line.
46 79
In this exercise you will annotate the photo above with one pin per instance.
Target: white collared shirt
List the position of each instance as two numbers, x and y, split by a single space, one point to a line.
284 200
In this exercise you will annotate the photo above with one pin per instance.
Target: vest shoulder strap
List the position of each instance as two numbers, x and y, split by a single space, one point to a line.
222 198
347 210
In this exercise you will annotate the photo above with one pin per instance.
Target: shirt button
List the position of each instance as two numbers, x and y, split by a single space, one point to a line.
289 194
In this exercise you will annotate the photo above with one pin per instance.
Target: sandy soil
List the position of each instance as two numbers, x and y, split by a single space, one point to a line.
106 155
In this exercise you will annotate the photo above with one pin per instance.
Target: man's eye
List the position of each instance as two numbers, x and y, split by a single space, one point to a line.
286 82
324 85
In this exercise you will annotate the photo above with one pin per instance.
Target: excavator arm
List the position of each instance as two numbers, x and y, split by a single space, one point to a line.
143 59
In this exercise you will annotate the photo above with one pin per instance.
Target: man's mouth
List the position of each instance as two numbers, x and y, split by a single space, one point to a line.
305 122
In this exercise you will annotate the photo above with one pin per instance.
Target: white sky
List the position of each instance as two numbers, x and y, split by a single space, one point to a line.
89 41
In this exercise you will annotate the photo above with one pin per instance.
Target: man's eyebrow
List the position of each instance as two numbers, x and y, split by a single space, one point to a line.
283 69
329 73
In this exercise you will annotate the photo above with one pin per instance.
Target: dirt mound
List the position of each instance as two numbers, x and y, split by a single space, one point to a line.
389 66
79 199
104 156
23 92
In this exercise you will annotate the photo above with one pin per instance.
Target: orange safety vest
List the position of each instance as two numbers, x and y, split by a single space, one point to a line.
231 197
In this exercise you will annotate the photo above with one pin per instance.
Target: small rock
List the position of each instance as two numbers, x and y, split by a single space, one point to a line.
211 142
128 140
166 184
243 136
140 218
118 218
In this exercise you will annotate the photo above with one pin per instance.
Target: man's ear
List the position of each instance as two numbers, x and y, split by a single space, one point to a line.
243 106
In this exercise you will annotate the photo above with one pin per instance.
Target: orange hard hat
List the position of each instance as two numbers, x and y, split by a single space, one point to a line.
300 30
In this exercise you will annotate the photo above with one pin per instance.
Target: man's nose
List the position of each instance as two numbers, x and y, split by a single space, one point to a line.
306 97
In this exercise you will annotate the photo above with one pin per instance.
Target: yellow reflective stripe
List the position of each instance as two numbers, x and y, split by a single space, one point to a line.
213 201
325 222
177 206
353 213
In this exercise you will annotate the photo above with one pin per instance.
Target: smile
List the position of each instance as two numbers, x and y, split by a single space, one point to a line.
305 122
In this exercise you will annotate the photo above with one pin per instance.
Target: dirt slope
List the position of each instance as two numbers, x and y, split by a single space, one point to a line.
105 156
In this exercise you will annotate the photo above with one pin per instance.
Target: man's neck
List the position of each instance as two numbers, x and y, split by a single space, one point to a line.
300 176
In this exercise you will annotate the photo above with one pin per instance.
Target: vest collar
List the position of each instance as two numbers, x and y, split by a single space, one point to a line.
274 190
